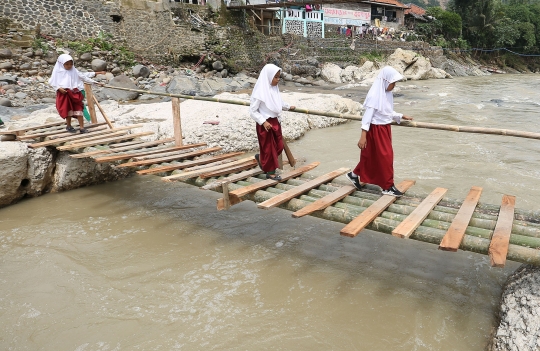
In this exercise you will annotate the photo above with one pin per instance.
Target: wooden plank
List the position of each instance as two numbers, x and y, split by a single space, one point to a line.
58 134
102 133
326 201
89 139
21 131
193 174
90 102
177 123
413 221
170 158
127 143
498 248
233 169
165 153
299 190
233 178
148 152
369 214
236 195
103 141
122 149
225 191
102 112
187 164
453 237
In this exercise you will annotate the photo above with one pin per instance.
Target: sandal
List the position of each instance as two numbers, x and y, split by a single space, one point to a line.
275 177
83 130
258 161
71 129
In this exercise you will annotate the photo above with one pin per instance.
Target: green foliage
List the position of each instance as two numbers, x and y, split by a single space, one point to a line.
40 44
371 56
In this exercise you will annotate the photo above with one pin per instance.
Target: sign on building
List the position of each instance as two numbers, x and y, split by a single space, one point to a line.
347 17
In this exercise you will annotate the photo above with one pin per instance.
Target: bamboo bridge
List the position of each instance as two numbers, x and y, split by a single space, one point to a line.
500 231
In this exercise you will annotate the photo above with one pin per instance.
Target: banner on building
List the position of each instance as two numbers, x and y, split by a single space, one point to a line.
346 17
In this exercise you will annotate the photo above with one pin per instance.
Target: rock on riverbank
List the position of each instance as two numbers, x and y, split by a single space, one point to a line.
519 327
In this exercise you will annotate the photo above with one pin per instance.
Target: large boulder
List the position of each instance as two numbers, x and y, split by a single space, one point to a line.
141 71
13 181
183 85
87 57
519 327
6 65
413 66
121 81
5 53
218 66
331 73
5 102
98 65
50 58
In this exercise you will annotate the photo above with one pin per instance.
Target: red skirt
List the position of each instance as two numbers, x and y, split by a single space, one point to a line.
70 103
376 164
270 145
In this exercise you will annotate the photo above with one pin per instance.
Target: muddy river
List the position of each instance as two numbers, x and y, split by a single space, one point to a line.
140 264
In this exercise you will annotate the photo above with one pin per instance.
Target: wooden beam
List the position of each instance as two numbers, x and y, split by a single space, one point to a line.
193 174
127 143
233 169
365 218
453 237
95 134
170 158
122 149
88 139
165 153
233 178
225 191
299 190
236 195
187 164
326 201
104 141
147 152
498 248
413 221
102 112
177 122
59 133
22 131
90 102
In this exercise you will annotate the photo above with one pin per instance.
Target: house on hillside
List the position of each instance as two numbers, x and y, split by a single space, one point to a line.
413 14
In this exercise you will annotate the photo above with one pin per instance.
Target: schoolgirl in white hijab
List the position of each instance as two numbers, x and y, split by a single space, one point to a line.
376 164
266 108
66 80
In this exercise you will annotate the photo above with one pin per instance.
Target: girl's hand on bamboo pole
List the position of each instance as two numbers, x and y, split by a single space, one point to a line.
267 126
363 140
407 118
292 108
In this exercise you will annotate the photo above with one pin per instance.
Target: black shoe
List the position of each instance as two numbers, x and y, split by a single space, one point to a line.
83 130
392 191
258 162
275 177
71 129
354 180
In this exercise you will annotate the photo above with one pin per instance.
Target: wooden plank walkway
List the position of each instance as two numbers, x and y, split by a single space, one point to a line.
229 172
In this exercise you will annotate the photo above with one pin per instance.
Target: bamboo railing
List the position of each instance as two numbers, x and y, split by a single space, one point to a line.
411 124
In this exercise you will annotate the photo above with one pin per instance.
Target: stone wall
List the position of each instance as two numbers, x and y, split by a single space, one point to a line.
62 18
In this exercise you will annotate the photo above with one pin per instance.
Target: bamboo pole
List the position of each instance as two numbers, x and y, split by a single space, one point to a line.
412 124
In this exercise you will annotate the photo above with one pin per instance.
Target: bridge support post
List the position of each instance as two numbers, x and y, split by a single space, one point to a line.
177 122
90 102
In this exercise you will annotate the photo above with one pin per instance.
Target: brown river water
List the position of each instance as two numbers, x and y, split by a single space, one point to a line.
143 265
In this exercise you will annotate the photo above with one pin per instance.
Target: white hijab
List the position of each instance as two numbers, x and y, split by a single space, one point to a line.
265 92
380 99
63 78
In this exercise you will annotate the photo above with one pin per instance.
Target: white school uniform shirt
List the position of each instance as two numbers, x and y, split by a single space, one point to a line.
86 75
379 103
265 99
260 113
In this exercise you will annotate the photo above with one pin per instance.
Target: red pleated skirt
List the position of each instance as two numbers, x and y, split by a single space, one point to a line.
376 164
270 145
70 103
